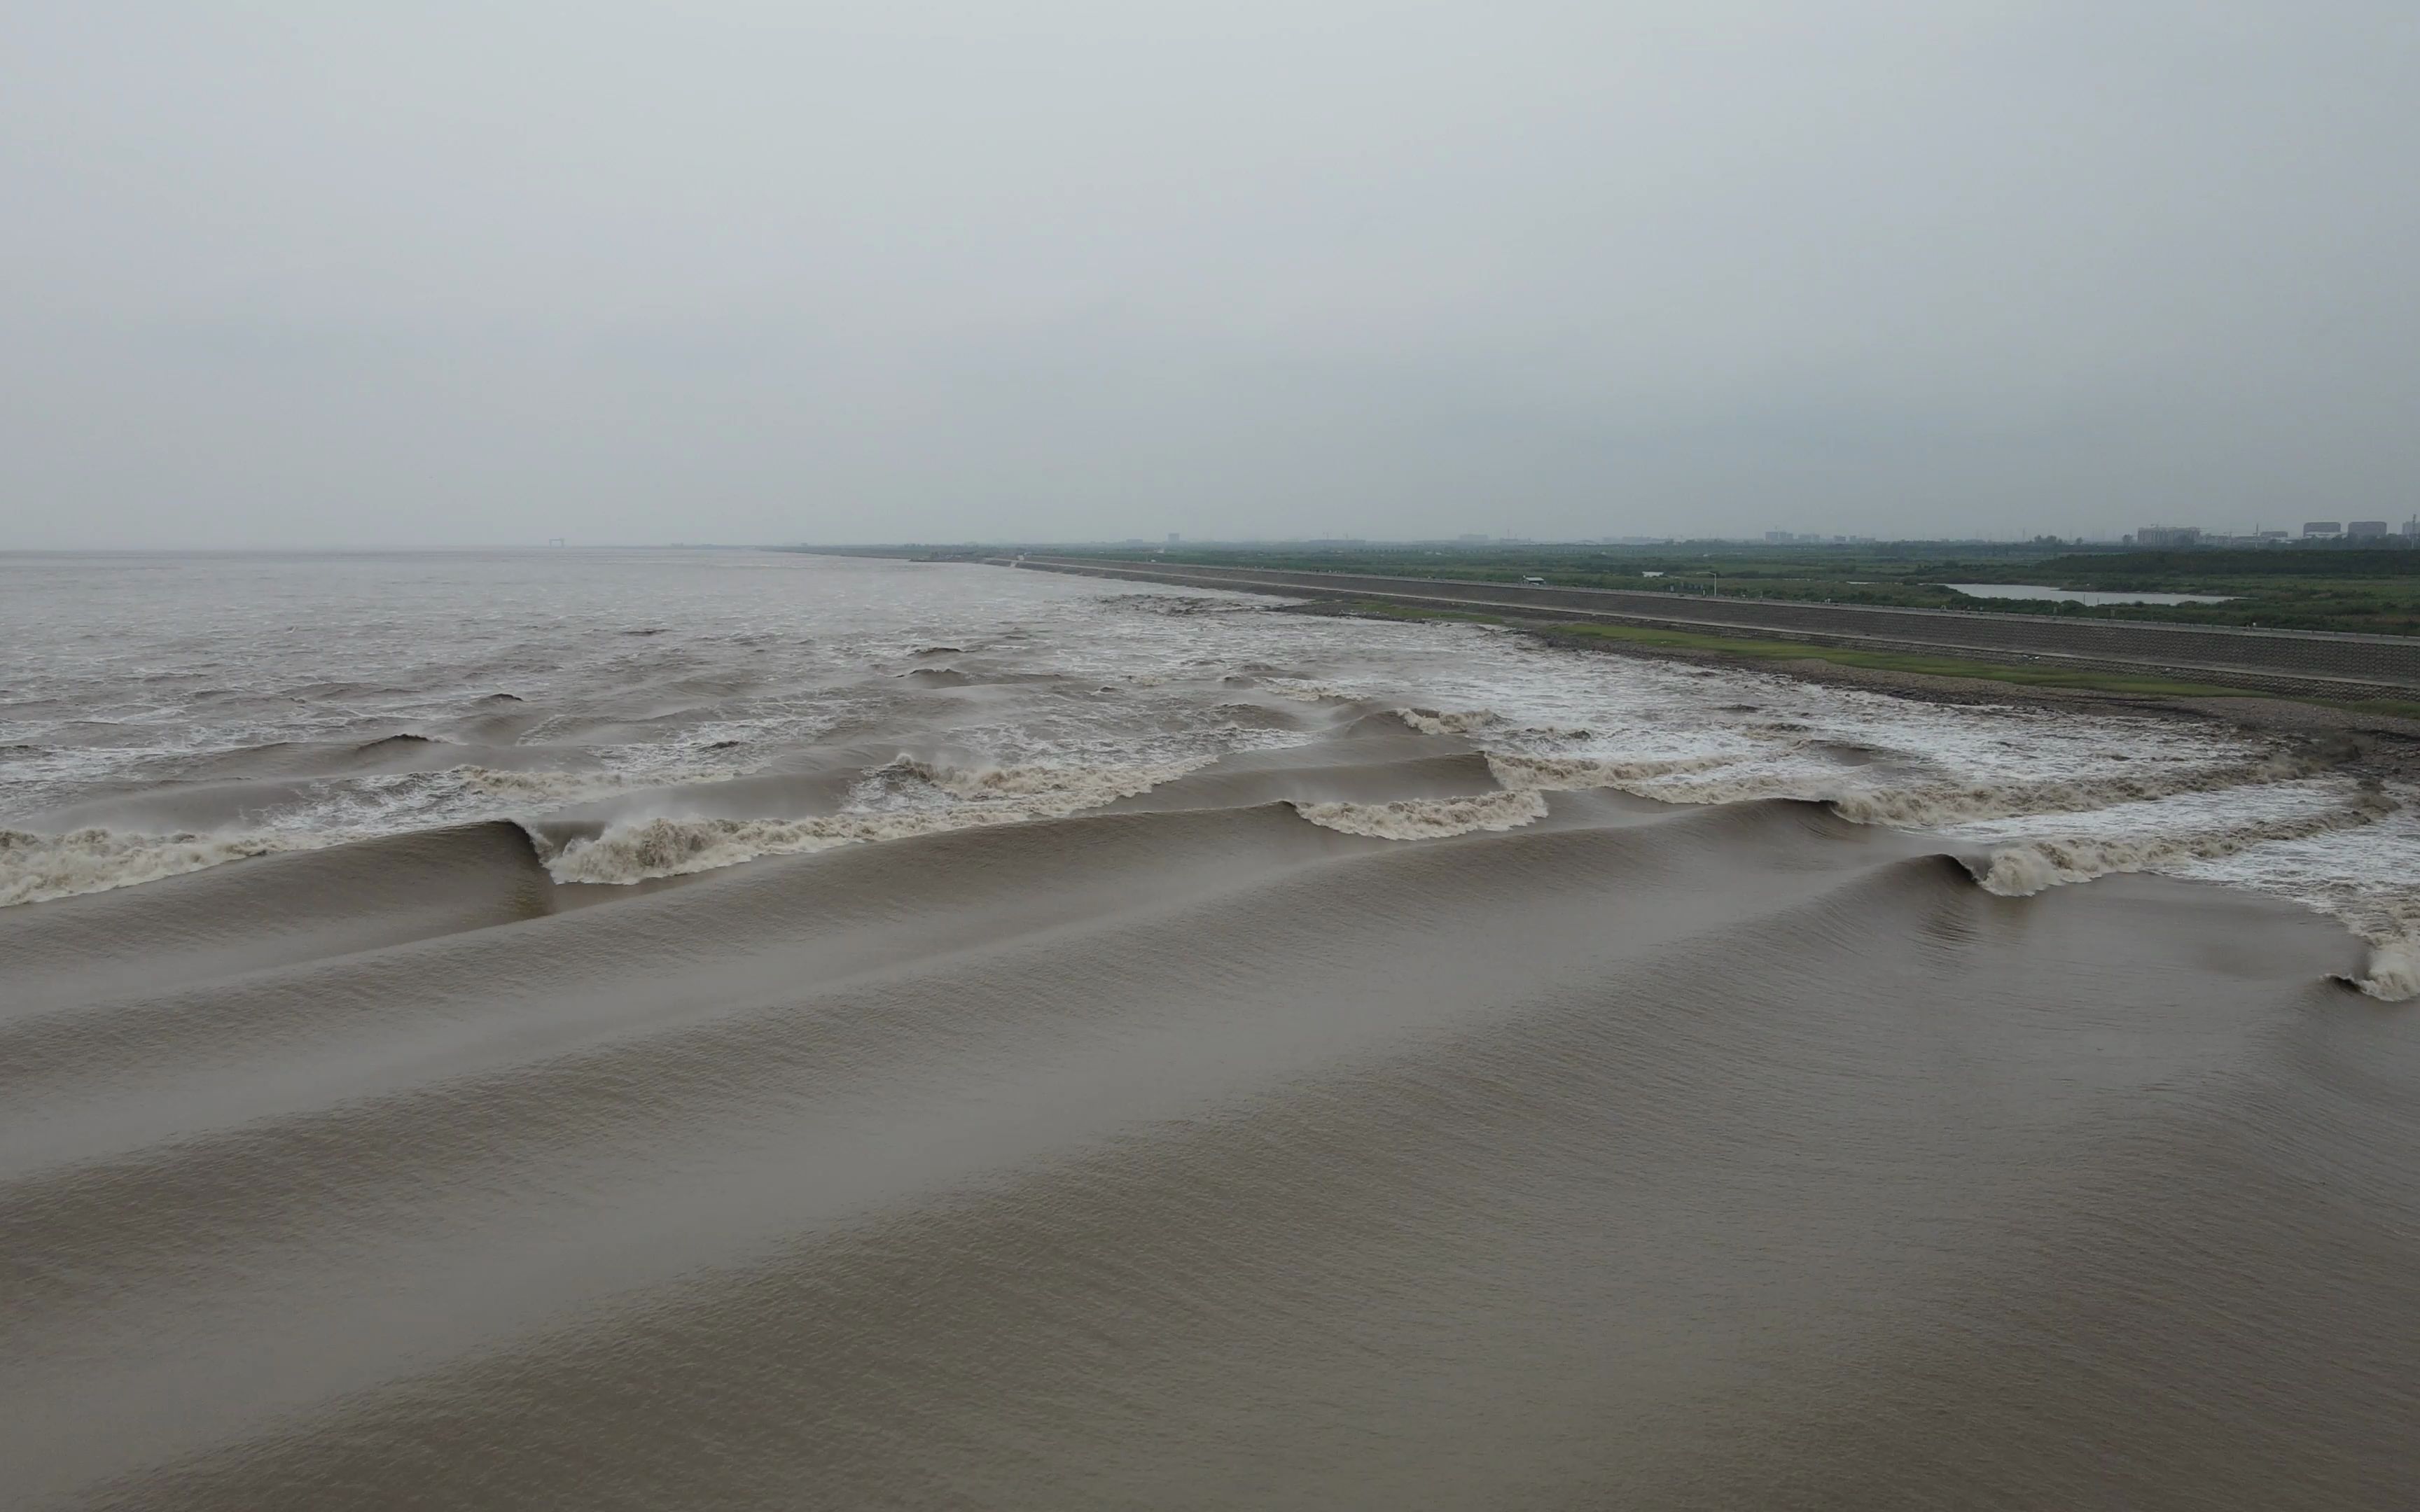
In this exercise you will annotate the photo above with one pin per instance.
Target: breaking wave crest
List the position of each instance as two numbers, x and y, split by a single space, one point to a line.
2021 869
1446 721
576 787
2394 974
1922 807
640 850
637 851
1429 818
1559 774
37 868
2389 924
1051 784
1309 692
1482 721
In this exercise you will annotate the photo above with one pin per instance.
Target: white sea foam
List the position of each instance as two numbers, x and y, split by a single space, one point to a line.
2048 861
1449 721
1553 774
1052 782
1492 725
577 787
636 850
1932 807
1429 818
2394 974
35 868
1308 692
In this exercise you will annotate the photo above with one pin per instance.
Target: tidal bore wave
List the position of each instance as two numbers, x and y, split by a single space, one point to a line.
1332 1126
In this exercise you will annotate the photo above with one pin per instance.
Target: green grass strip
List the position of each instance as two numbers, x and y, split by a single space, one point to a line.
2399 708
1382 609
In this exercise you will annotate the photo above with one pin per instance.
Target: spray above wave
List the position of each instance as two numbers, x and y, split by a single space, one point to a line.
2394 974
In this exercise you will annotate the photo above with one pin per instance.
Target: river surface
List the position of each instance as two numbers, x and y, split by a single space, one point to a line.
670 1029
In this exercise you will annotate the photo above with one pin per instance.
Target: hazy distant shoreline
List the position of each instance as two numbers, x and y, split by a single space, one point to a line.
2288 703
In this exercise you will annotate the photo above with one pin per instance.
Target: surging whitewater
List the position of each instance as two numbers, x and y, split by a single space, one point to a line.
701 712
639 850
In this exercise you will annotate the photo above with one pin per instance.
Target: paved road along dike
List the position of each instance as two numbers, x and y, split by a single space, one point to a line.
2311 663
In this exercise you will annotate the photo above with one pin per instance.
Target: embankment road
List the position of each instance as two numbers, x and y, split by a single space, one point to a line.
2296 663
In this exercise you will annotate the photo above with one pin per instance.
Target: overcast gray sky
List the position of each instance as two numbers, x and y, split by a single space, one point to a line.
822 270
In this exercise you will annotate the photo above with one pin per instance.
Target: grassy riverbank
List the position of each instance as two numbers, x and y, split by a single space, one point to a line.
2374 590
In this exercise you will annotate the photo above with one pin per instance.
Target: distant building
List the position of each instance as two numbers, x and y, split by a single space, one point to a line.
2168 535
1778 537
1471 538
2321 529
1174 539
2273 535
2366 530
2411 528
